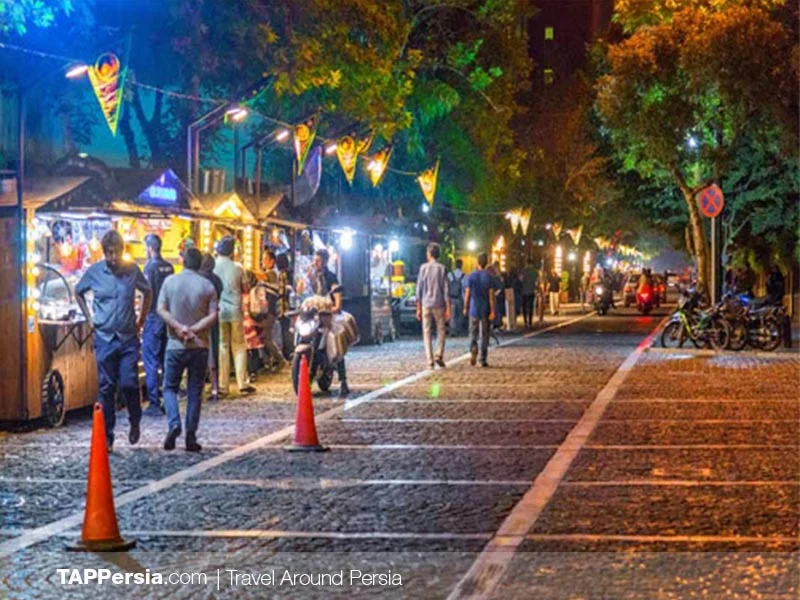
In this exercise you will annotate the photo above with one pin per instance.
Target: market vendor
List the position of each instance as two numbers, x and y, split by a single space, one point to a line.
116 328
325 283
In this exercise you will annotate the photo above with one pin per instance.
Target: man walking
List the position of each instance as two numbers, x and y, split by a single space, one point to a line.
584 289
433 304
530 281
188 305
231 320
264 310
455 291
154 335
116 330
554 285
479 306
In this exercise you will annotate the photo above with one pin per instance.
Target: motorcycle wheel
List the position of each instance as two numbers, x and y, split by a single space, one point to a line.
672 336
324 382
773 336
738 337
719 334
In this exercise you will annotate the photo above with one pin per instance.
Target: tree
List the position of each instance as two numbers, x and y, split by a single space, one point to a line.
678 97
18 16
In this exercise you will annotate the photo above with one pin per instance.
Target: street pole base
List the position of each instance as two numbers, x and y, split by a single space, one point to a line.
296 448
102 546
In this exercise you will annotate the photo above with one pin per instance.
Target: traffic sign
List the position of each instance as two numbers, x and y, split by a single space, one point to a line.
711 201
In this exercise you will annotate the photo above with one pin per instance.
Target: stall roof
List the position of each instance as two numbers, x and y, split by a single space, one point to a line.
228 206
130 191
39 190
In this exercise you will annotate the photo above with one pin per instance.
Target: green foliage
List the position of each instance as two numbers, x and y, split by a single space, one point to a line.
18 16
717 72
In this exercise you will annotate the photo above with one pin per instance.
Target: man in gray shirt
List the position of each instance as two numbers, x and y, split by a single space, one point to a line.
433 304
114 284
188 305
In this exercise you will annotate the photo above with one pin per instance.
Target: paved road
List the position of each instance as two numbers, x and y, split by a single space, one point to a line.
579 465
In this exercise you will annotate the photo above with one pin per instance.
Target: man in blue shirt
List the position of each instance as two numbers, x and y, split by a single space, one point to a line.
479 306
154 335
116 330
433 304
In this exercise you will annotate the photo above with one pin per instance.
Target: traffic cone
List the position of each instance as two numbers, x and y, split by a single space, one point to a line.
100 529
305 431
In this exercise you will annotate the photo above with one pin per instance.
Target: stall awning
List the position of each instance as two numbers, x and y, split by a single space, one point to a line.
128 191
228 206
39 190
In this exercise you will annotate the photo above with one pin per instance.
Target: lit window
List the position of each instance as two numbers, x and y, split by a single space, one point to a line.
549 34
549 76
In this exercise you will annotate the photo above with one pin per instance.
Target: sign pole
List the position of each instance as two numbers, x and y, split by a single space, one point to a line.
714 262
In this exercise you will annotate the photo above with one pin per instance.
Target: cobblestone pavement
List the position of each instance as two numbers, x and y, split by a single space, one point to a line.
687 485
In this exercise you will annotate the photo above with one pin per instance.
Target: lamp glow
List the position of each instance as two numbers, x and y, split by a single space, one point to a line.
394 246
283 135
472 245
330 149
346 241
572 257
77 71
426 208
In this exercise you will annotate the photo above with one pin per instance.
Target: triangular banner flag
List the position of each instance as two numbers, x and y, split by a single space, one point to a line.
575 234
525 220
304 135
557 228
108 81
514 217
348 149
427 181
377 165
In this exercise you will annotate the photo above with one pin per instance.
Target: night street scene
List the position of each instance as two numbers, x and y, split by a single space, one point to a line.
400 299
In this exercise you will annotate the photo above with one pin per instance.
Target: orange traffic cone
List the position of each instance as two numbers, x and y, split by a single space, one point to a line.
305 431
100 529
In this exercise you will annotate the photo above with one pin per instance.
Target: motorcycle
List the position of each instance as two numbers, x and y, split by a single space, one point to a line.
753 322
702 327
311 328
601 299
644 299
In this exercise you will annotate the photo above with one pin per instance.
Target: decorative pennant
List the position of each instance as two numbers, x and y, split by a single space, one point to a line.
377 165
602 242
557 229
108 81
575 234
304 135
348 149
427 181
514 216
525 220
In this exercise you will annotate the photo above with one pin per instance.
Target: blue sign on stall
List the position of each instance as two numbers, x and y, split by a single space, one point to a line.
163 192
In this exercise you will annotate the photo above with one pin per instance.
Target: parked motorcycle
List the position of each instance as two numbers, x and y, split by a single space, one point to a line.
753 322
690 323
311 328
601 299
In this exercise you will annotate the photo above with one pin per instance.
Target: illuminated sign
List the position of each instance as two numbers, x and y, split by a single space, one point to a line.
158 192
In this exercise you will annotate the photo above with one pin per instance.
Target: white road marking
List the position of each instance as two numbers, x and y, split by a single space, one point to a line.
45 532
438 401
792 355
682 539
443 446
293 483
677 483
692 446
459 421
488 570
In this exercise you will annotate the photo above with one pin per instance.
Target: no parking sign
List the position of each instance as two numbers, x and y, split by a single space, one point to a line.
711 201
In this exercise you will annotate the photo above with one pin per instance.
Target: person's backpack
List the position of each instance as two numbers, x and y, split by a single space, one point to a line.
455 285
263 301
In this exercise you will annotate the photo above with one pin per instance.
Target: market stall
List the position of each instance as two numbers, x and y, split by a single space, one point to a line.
65 218
227 214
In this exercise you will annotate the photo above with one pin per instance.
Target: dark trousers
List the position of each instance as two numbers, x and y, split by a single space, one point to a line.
195 360
154 347
118 369
479 336
288 340
527 308
342 371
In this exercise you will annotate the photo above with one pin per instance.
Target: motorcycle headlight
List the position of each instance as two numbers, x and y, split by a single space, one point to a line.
598 290
306 328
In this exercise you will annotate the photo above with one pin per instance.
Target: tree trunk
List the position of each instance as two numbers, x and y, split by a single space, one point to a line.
701 250
130 140
698 238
